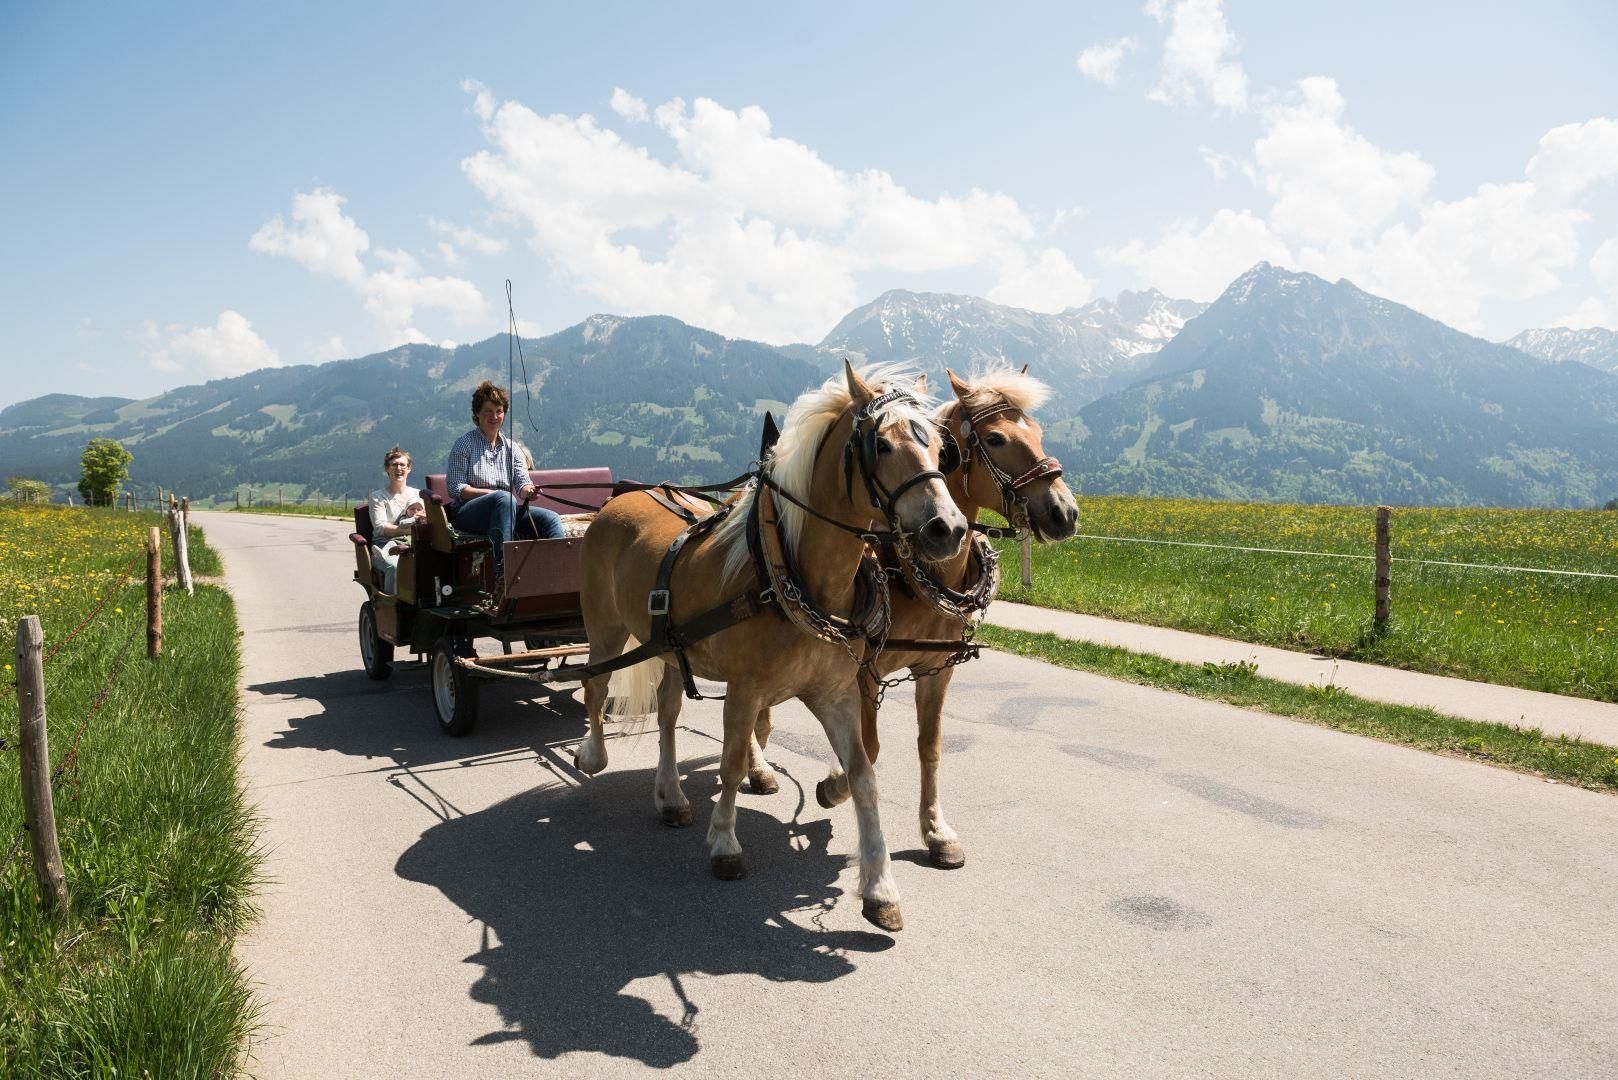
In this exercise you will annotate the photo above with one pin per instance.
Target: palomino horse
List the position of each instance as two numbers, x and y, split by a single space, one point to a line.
815 558
1002 465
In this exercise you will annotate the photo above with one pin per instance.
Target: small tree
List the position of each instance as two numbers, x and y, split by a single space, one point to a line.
1612 504
25 490
104 466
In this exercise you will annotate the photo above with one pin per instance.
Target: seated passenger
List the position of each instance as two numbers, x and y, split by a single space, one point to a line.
485 470
394 509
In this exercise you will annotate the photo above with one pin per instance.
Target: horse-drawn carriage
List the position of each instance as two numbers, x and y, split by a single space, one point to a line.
842 559
448 598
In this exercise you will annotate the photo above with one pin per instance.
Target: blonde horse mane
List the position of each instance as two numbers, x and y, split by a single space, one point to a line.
1000 380
793 461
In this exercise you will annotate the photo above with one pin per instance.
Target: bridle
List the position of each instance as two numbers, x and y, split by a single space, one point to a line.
1012 504
862 451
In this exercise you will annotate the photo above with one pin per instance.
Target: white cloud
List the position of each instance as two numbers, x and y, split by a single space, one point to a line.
468 238
1330 185
629 106
328 241
332 348
229 347
1198 56
741 230
1050 282
1502 243
1574 156
1197 261
1101 62
1602 308
322 237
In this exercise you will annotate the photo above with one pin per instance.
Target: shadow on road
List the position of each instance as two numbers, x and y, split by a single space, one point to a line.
582 892
352 715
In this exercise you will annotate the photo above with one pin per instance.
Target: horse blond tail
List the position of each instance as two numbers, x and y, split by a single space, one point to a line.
632 691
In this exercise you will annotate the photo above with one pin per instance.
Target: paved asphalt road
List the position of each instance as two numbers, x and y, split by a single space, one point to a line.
1155 886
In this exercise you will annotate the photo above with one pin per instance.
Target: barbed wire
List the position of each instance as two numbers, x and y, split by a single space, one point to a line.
1349 555
71 758
11 856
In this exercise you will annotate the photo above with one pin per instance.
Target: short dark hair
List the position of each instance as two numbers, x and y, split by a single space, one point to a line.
487 392
387 458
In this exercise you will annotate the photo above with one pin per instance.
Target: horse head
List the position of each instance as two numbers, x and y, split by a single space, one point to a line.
1002 459
894 449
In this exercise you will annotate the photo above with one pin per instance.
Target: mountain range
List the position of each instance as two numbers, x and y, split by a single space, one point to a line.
1291 387
1286 387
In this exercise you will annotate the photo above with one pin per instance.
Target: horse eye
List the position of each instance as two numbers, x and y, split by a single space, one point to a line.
995 439
883 446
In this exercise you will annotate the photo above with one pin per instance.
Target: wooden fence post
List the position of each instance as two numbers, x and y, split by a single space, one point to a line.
154 593
38 804
179 518
280 496
345 502
1384 565
238 498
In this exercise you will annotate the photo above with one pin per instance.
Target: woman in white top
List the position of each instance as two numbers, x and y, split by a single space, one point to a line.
394 509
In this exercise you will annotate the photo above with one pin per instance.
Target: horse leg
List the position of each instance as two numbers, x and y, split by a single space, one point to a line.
667 795
724 850
833 791
760 777
840 716
944 848
590 756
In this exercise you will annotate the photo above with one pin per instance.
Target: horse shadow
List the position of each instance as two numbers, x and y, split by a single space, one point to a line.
583 892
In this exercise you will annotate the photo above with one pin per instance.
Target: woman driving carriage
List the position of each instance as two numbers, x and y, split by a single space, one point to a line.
485 470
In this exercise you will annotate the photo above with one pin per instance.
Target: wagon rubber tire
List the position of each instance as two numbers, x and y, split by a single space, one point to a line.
455 692
375 654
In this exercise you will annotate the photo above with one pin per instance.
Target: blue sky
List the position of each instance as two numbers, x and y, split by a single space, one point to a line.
197 190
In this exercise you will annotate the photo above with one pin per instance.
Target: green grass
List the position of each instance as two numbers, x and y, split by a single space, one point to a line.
1570 761
1542 632
137 978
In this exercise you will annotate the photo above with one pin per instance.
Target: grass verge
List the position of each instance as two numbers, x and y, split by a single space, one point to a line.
1571 761
137 978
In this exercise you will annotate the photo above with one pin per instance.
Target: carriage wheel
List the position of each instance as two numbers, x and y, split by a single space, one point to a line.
375 654
455 692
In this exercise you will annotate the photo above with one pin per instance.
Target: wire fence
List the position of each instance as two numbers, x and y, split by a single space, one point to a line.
66 770
1349 555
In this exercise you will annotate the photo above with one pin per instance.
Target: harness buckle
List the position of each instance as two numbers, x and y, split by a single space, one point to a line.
657 602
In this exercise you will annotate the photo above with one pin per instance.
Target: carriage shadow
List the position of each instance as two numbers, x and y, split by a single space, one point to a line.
351 715
582 892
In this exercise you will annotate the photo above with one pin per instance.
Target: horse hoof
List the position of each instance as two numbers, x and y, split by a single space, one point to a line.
946 854
678 817
729 867
884 915
823 795
762 783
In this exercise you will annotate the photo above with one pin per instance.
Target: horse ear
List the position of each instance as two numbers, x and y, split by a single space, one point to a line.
771 436
857 388
961 388
921 383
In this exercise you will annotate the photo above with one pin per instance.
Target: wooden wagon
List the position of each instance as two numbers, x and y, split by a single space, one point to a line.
447 598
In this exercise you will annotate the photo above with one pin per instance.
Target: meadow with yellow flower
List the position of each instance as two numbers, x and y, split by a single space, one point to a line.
1501 624
137 977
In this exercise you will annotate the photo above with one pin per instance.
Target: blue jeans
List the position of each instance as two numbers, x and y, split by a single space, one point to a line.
492 513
